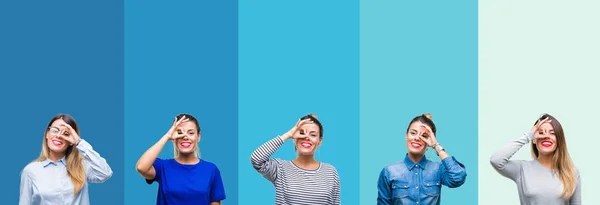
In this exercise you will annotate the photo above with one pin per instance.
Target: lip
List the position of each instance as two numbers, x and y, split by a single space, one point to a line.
185 144
306 144
547 143
416 145
57 143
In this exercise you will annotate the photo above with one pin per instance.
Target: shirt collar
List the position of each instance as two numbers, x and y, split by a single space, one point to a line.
410 164
62 161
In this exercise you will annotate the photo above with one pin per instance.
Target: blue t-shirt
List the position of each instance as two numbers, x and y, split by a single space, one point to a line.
182 184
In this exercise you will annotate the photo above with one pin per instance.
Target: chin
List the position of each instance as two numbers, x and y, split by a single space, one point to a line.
305 153
416 152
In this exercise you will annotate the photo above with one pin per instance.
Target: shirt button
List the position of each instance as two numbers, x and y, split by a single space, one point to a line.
417 202
416 173
416 187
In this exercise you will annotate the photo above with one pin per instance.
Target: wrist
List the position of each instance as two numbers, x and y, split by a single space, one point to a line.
285 136
77 141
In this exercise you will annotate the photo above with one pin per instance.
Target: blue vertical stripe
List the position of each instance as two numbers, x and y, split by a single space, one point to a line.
418 57
61 57
298 57
180 57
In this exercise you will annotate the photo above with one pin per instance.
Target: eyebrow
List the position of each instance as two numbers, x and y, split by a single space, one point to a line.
414 130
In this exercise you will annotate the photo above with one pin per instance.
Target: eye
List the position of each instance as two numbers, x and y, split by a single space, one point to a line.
179 132
541 133
66 134
413 133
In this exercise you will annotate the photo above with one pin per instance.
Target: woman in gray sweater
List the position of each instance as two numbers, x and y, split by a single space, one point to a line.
550 178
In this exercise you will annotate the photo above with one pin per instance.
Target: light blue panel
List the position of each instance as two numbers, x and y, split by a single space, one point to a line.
295 58
418 57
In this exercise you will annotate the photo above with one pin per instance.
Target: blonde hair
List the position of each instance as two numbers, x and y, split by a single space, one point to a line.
562 165
428 115
74 160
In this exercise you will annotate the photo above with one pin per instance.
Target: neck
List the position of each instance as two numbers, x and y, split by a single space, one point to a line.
55 156
545 160
415 157
187 158
306 162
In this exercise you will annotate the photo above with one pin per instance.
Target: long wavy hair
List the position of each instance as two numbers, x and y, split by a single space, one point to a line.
74 160
562 165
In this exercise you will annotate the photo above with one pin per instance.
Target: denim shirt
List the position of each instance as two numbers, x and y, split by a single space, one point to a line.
406 182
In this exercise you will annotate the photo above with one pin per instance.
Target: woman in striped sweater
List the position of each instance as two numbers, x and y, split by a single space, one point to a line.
303 180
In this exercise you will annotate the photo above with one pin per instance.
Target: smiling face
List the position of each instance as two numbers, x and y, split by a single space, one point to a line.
307 139
546 145
415 145
188 143
53 141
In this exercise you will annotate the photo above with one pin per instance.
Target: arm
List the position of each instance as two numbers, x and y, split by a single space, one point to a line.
261 161
25 189
336 189
144 164
97 170
500 160
217 191
384 191
454 173
576 198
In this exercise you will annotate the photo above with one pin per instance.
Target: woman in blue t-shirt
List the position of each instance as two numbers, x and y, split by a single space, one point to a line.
186 179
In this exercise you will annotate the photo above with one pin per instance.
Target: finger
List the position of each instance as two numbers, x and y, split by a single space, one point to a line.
180 120
67 126
304 122
427 128
424 139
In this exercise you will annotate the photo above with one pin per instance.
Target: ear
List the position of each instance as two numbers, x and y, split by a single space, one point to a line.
534 141
320 142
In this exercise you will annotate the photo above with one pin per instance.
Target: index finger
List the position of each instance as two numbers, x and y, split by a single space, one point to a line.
66 126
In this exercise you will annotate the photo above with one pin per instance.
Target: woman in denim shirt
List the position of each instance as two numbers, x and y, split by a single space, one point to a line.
416 179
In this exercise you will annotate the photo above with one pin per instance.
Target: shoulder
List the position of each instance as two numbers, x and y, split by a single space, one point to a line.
31 167
396 166
164 162
328 167
207 164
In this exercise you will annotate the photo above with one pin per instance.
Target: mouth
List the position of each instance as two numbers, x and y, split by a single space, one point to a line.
185 144
57 143
416 145
306 145
547 143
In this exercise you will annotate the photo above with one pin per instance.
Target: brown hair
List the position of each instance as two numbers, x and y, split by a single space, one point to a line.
425 119
562 165
313 118
74 160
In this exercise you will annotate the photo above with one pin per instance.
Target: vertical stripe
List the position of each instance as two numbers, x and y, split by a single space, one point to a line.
180 57
538 57
415 58
297 58
61 57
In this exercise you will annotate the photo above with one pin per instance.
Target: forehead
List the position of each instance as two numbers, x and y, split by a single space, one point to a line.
187 125
311 127
56 123
547 126
416 125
